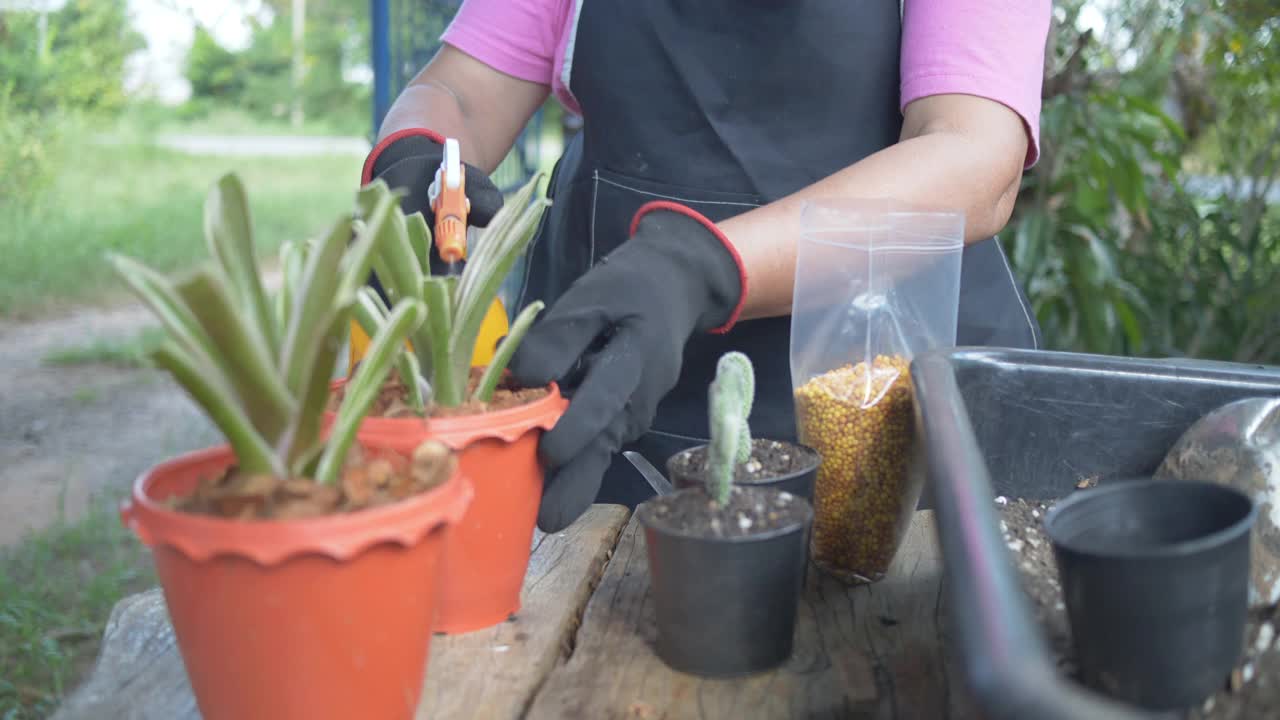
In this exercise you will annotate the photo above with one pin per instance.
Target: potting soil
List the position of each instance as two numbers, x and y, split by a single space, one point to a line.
750 511
392 400
1252 691
770 459
365 482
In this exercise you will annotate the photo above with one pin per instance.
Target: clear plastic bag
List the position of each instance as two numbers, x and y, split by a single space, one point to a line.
877 281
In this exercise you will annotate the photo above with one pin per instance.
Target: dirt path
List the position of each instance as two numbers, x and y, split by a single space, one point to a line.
68 434
71 435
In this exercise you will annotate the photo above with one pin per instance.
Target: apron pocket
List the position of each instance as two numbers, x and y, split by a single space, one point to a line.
617 197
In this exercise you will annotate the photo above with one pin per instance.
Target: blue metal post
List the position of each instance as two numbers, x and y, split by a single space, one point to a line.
380 22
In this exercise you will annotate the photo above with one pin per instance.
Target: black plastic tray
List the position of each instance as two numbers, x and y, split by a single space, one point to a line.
1031 424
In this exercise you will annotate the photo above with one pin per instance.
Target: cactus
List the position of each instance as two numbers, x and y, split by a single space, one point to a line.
730 398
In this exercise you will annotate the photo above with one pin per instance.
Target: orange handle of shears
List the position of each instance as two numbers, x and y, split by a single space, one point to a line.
451 206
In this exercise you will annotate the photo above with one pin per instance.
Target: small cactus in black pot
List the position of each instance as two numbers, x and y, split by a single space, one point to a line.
718 537
730 398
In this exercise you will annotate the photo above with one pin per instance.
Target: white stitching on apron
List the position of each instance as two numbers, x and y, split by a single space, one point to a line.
591 236
673 197
1026 314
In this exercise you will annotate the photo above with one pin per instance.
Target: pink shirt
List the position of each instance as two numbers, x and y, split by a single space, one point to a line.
989 48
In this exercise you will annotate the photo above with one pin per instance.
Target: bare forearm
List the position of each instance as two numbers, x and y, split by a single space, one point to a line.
942 169
460 97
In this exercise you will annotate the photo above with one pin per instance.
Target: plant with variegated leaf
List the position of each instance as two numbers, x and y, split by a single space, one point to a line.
443 346
259 364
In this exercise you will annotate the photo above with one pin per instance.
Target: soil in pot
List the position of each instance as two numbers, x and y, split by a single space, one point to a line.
391 400
769 459
367 481
1253 689
725 579
748 512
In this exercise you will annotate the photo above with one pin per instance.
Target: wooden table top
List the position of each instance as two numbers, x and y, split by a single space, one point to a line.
580 648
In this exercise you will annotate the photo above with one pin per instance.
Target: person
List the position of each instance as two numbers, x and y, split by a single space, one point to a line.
675 211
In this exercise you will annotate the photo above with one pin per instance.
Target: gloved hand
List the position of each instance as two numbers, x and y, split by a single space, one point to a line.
620 330
408 160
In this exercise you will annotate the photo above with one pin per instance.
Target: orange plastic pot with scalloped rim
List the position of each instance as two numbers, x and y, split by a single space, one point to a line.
324 617
485 564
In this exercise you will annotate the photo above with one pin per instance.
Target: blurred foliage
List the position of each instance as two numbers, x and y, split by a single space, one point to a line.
77 64
1123 250
74 67
259 78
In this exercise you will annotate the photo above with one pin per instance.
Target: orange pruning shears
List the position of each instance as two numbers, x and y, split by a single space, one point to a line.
448 197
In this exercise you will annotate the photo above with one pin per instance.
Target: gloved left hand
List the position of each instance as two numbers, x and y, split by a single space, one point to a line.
614 342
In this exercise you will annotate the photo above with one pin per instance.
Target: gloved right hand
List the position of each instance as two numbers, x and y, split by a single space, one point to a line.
408 159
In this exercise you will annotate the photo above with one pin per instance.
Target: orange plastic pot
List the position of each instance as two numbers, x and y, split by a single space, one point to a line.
317 618
485 564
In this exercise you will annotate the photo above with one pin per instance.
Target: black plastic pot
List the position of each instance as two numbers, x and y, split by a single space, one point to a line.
725 607
799 482
1031 424
1155 577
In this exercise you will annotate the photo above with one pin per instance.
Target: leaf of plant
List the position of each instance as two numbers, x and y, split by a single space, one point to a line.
158 293
448 390
243 355
364 386
314 300
303 436
229 234
370 312
506 348
496 238
369 241
253 453
483 277
420 240
394 259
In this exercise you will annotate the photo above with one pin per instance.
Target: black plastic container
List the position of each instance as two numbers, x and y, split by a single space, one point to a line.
1032 424
725 607
799 482
1155 577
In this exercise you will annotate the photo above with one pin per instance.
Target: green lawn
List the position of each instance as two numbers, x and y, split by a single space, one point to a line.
56 592
145 201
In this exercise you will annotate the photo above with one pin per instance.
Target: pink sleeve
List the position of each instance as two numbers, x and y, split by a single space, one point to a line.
516 37
989 48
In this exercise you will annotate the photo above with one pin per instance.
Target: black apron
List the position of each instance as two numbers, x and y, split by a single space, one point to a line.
725 105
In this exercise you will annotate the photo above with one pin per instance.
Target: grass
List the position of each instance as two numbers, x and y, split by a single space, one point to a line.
56 592
127 352
145 201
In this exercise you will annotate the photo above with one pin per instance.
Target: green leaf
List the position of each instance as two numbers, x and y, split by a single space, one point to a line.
364 386
242 354
394 260
420 240
506 348
483 277
369 241
300 441
371 314
370 311
159 294
314 301
230 237
447 388
253 453
293 257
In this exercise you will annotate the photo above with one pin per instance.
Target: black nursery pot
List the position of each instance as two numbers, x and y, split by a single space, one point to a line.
685 469
1155 578
725 606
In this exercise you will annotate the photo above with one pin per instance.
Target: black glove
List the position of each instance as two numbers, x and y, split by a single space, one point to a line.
408 160
621 330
